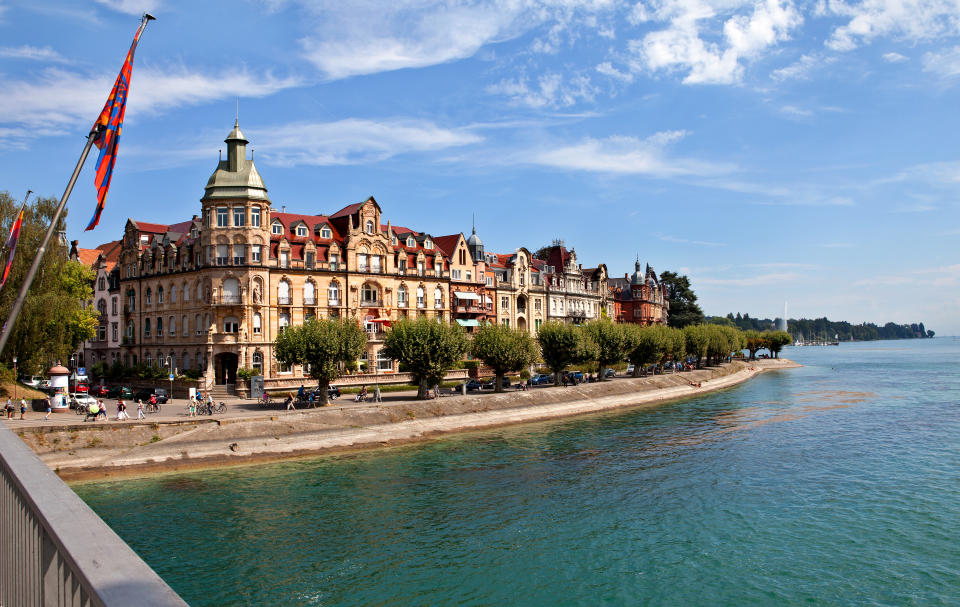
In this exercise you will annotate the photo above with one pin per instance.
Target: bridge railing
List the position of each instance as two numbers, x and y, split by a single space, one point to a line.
54 550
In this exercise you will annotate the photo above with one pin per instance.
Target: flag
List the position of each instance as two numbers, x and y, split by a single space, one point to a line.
109 124
11 246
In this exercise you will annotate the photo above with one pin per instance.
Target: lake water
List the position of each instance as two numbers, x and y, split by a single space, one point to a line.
834 484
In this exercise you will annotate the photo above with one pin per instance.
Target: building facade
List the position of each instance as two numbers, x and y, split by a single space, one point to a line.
640 298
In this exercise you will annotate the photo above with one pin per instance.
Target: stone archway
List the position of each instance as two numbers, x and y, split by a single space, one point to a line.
225 368
521 323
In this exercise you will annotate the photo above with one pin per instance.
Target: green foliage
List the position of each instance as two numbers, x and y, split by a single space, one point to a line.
697 342
503 349
245 374
53 321
98 369
684 310
562 345
191 373
426 348
824 328
323 344
777 340
611 341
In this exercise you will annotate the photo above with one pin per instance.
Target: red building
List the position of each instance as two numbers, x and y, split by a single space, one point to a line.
639 298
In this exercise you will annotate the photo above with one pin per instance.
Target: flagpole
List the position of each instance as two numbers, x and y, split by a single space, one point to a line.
25 287
23 207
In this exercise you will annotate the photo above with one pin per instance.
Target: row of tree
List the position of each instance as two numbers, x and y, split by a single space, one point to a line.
824 328
426 348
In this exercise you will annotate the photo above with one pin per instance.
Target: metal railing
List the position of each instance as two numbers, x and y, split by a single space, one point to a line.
56 551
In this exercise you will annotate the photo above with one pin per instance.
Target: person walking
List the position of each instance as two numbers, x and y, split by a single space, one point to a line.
23 408
49 408
376 395
140 414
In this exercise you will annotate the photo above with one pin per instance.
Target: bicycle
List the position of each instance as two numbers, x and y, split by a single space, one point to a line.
82 409
264 403
152 408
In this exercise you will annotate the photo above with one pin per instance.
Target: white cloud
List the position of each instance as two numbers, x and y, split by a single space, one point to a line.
895 58
132 7
623 155
550 90
792 110
912 20
681 47
33 53
751 281
353 141
945 64
606 68
700 243
357 38
58 99
800 69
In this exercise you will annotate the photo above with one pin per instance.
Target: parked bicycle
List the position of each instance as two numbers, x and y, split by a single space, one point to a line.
211 408
152 407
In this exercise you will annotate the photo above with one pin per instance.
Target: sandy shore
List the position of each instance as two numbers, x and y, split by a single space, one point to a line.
78 451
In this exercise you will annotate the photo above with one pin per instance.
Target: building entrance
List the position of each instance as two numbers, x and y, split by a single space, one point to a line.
225 368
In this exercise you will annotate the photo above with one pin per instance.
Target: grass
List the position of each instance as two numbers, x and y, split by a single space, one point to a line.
22 391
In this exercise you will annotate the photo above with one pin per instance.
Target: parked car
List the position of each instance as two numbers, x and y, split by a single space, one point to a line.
43 384
81 399
609 373
472 384
120 392
630 369
575 375
541 378
145 394
81 388
32 381
99 391
490 383
333 393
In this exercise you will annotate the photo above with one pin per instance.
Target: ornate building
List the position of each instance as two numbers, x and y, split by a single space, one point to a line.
212 293
519 291
574 294
105 345
640 298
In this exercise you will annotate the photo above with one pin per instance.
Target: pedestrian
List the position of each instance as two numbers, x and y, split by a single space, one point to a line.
23 408
193 409
376 394
49 409
9 409
121 411
290 404
140 414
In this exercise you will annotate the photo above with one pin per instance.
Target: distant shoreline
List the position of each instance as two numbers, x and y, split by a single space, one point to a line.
80 452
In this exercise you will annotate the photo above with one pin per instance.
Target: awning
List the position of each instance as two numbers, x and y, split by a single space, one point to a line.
468 323
487 300
465 295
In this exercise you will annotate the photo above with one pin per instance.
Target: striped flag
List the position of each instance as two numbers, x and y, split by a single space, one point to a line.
109 124
11 246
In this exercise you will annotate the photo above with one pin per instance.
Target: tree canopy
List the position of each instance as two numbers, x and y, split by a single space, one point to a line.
611 343
684 310
503 349
562 345
56 316
425 348
322 344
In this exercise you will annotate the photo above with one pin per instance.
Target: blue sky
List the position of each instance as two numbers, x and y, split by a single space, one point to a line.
772 150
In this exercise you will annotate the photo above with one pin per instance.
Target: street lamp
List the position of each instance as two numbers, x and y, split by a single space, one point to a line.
73 368
15 376
170 368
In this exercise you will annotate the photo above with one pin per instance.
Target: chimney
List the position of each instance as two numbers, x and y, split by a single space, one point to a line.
74 253
283 208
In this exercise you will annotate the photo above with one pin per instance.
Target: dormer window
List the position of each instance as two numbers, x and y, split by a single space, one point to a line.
301 230
325 232
393 240
411 242
276 227
369 226
427 244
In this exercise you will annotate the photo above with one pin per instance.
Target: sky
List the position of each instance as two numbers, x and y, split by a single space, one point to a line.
772 150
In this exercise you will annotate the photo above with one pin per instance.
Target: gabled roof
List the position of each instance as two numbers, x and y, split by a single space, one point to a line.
447 244
153 228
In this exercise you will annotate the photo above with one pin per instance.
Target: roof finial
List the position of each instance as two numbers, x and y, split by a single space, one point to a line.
474 220
236 121
220 151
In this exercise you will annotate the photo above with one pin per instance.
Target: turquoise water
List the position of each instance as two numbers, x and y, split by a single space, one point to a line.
834 484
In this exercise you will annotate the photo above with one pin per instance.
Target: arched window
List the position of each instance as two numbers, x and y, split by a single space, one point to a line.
369 295
258 362
172 325
186 360
197 325
102 309
206 322
276 227
230 291
231 324
309 294
420 298
129 331
149 360
159 295
186 326
159 326
199 362
148 295
146 327
333 294
257 323
438 298
369 226
402 296
173 294
284 320
283 293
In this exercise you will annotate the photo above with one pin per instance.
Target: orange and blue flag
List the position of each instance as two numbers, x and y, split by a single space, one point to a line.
11 246
109 124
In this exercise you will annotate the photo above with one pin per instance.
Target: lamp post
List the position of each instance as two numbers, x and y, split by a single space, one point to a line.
73 368
170 368
15 376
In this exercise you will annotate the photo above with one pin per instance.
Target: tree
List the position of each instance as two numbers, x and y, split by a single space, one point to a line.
755 341
684 310
426 348
323 345
647 346
676 343
562 345
55 318
697 342
777 340
503 349
611 343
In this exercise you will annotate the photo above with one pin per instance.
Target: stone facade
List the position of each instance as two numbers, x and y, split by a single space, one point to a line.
640 298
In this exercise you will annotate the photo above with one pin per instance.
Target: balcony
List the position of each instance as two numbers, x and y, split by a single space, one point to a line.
370 303
284 300
226 300
309 301
333 302
402 304
438 305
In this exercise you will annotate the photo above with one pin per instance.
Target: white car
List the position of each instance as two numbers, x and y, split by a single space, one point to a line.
33 382
81 399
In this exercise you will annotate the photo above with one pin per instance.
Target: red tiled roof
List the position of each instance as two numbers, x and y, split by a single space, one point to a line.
350 209
88 257
155 228
447 244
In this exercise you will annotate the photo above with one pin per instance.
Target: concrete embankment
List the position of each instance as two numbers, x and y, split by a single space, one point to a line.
80 451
